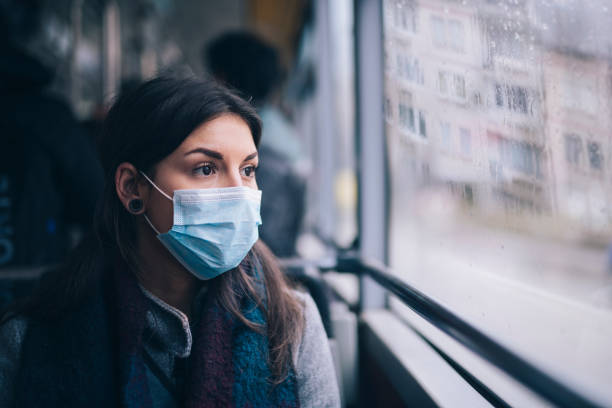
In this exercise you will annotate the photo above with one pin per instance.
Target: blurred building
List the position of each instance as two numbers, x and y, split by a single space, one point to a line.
510 116
578 86
433 102
514 125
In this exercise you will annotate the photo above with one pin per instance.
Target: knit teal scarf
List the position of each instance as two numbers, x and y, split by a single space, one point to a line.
229 361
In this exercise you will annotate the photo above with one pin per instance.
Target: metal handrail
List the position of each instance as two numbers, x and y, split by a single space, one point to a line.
469 336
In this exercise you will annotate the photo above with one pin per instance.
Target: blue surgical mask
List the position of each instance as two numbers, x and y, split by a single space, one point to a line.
213 228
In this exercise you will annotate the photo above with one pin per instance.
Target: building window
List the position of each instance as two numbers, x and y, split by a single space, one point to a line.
499 95
443 82
452 85
465 138
404 17
388 109
512 97
455 35
422 127
448 34
445 136
522 157
595 157
573 149
438 32
414 72
459 88
519 156
406 111
517 99
409 68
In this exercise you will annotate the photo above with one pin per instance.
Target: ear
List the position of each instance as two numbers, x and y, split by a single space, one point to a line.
130 185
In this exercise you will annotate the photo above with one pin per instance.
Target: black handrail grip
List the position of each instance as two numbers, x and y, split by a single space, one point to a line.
466 334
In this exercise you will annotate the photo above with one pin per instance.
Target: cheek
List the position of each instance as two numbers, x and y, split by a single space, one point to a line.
253 183
160 211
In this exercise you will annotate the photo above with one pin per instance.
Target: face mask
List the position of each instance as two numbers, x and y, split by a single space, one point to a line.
213 228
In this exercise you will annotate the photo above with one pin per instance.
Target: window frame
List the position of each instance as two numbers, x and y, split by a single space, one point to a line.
373 205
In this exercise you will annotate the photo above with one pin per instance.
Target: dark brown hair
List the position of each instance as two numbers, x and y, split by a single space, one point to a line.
144 126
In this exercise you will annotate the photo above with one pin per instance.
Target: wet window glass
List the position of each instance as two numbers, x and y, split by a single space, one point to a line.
499 130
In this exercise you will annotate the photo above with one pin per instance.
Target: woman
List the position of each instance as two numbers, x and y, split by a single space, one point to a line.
173 301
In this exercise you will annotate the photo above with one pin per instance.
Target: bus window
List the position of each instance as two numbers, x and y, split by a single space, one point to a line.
498 127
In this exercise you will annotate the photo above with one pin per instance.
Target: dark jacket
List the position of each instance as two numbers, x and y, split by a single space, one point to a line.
50 176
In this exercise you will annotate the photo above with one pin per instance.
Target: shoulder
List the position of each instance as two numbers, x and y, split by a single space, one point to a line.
308 304
312 359
313 331
12 333
313 324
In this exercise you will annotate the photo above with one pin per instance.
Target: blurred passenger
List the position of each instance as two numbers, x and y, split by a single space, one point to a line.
49 173
245 62
173 302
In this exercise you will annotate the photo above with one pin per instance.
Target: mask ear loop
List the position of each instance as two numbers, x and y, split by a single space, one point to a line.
164 194
150 224
154 185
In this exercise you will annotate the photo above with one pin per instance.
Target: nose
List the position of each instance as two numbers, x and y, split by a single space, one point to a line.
232 179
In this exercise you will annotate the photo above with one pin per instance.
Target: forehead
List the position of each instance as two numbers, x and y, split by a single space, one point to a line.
226 132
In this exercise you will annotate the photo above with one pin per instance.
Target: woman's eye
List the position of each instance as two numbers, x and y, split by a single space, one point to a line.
205 170
249 171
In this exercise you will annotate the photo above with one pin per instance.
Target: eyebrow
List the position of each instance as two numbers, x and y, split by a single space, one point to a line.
215 154
250 156
207 152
